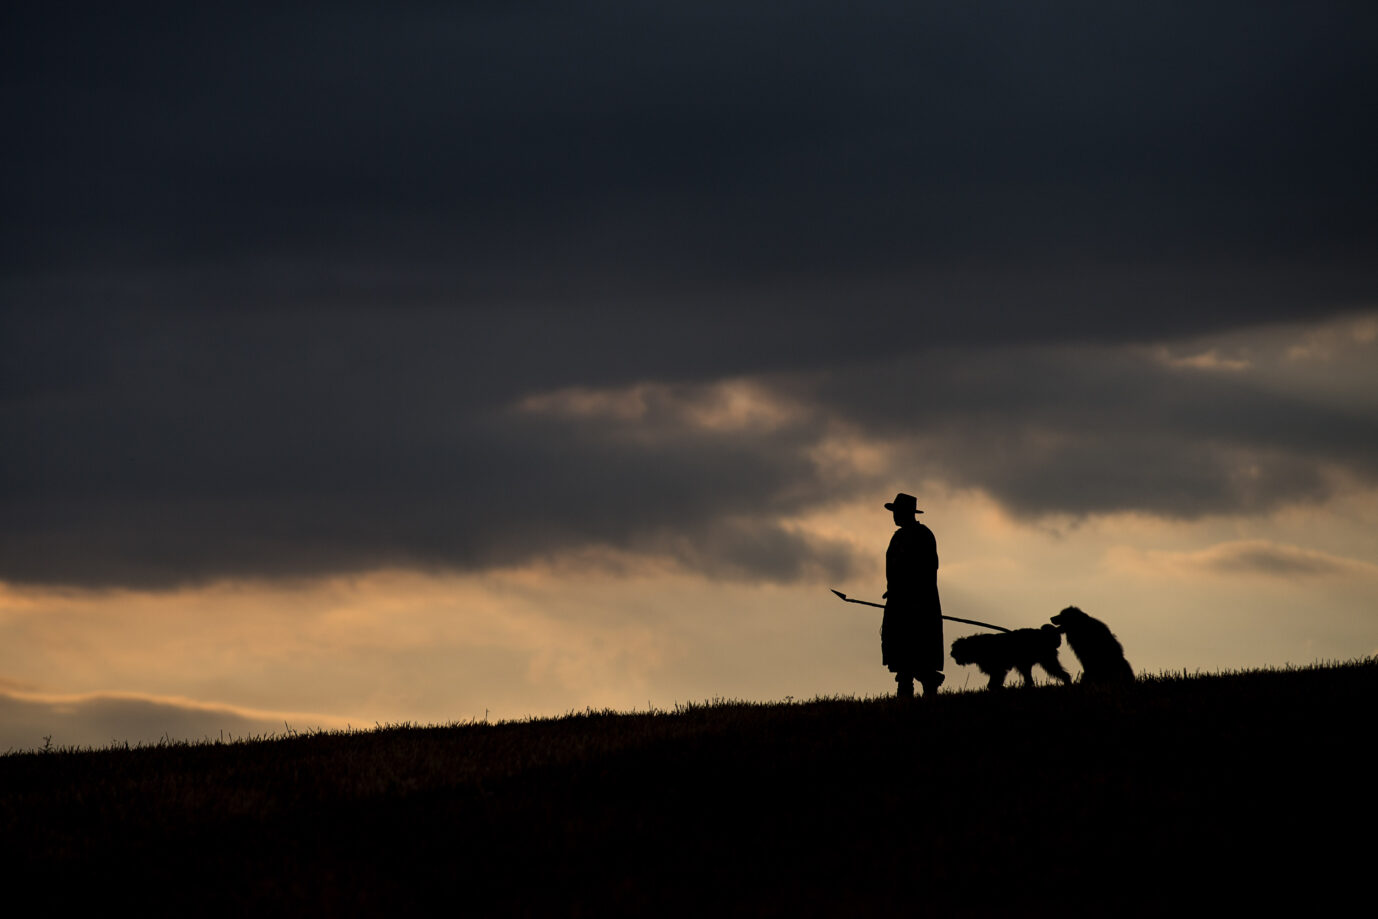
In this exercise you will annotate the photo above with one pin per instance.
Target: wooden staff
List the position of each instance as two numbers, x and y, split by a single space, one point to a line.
984 625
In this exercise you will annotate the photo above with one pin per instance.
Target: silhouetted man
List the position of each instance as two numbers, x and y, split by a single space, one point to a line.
911 634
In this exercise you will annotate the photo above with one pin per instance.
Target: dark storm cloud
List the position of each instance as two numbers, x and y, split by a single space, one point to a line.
964 162
277 446
183 448
273 282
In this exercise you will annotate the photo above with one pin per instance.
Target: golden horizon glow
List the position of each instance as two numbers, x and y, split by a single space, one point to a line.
394 646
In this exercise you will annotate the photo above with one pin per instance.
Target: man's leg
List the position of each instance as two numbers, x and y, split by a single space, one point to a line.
904 682
931 681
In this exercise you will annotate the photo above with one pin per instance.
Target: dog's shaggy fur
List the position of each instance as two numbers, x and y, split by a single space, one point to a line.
1102 658
996 655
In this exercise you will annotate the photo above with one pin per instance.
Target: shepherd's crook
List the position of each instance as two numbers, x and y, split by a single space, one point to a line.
984 625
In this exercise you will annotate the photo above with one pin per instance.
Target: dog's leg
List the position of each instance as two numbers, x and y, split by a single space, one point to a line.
1026 671
1053 667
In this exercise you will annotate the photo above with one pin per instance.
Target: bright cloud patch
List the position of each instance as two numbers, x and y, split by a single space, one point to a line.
727 406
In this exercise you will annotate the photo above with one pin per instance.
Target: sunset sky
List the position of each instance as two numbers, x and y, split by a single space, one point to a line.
431 362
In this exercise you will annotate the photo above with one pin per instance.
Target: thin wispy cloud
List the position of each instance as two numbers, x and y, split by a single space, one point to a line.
1249 558
30 721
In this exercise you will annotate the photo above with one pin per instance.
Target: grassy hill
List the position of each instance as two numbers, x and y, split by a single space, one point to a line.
1183 793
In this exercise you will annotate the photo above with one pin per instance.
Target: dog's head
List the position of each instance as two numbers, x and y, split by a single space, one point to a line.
967 650
1052 634
1071 616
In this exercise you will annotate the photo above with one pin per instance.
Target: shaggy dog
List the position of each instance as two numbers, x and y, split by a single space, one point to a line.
1102 658
995 655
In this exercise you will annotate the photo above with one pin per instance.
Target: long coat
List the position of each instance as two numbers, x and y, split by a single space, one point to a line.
911 634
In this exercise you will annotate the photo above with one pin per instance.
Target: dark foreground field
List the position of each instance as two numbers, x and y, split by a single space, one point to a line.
1195 795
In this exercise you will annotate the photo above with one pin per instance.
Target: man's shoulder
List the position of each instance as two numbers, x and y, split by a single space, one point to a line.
913 532
915 536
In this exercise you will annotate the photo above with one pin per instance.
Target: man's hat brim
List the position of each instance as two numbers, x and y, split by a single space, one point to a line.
891 507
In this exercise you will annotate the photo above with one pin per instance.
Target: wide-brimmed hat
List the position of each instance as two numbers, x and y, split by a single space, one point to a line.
905 503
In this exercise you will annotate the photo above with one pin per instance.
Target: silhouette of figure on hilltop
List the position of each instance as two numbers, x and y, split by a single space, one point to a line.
911 634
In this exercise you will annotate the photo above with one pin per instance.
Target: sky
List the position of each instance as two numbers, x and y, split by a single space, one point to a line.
428 362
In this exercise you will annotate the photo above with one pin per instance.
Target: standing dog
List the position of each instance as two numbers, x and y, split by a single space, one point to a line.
1102 658
996 655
